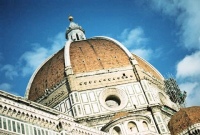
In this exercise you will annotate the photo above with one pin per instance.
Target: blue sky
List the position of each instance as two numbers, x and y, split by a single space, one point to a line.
165 33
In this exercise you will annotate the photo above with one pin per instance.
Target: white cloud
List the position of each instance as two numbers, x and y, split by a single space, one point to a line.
136 41
32 59
187 15
189 21
143 53
57 42
8 88
134 37
188 74
188 87
189 67
192 89
10 71
5 86
169 7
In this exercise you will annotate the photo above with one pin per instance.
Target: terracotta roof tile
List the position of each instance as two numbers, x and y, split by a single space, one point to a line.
96 54
147 68
50 74
183 119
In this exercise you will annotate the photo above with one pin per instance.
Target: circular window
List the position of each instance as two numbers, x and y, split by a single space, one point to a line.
113 99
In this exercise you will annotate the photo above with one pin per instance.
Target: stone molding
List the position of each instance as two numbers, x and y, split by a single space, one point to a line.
33 113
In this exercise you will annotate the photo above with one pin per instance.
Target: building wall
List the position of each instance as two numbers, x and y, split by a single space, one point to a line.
21 116
88 106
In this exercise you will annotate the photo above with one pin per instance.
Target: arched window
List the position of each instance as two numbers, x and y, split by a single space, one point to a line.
145 126
132 127
116 131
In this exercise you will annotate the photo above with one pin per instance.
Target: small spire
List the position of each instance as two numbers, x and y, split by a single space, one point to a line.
71 18
74 31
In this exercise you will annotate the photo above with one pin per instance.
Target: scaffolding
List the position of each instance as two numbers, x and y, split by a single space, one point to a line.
174 92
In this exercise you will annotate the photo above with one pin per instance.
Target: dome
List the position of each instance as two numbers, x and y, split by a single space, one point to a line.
99 53
184 119
83 57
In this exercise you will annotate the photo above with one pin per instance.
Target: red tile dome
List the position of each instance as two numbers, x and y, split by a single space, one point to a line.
100 53
183 119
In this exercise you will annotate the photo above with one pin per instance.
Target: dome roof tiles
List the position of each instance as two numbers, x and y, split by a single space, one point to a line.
147 67
50 74
183 119
96 54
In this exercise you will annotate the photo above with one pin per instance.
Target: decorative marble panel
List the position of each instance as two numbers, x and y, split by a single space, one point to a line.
134 100
130 89
62 106
87 109
92 96
95 107
84 97
141 99
68 104
137 88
